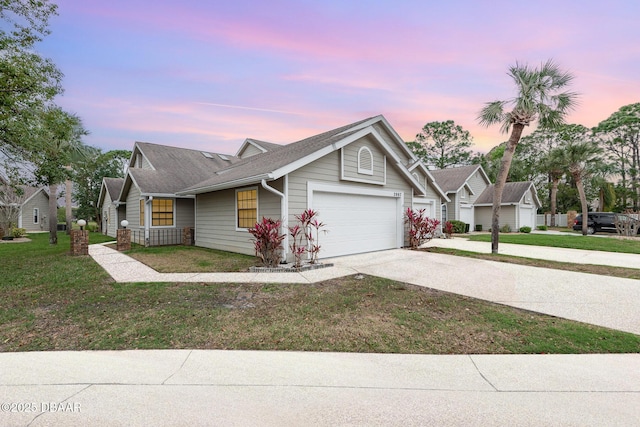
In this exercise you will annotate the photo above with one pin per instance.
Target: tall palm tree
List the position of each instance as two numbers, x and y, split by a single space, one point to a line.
582 158
57 140
555 167
539 97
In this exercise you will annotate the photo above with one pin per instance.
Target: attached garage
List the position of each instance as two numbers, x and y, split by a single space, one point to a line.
357 220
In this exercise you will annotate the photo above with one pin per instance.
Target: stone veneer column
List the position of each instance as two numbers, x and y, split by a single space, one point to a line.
79 242
187 236
124 239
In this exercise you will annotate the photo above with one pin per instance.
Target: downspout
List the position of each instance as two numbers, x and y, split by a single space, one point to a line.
147 219
283 213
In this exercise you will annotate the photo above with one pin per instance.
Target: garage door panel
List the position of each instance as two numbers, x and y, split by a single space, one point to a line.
356 223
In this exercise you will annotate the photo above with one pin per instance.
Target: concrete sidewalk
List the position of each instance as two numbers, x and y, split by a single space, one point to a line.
200 388
575 256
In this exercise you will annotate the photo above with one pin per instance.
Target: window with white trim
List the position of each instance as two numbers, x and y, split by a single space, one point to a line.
36 216
365 161
246 208
162 212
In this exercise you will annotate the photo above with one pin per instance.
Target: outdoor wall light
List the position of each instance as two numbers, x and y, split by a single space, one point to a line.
124 223
82 223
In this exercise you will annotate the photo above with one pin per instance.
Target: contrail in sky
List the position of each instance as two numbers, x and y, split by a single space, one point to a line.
240 107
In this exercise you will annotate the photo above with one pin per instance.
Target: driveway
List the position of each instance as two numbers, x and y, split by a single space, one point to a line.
599 300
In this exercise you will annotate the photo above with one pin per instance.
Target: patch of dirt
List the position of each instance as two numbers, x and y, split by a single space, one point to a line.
17 240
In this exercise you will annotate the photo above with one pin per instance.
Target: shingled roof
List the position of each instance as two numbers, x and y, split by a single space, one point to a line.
255 168
512 193
452 179
175 168
114 185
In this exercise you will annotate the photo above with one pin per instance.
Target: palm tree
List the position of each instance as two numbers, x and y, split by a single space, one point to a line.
538 97
57 140
582 158
555 166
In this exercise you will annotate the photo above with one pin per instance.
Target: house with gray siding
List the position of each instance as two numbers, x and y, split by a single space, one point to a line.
110 208
34 209
463 185
518 207
360 178
148 197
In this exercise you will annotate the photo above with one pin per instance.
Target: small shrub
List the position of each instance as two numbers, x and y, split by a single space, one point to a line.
459 227
448 229
18 232
268 241
542 227
421 227
525 229
505 228
478 227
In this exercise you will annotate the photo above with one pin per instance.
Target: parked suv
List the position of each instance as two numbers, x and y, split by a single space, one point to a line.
597 222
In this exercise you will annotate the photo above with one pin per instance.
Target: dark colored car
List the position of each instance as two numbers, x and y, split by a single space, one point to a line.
597 222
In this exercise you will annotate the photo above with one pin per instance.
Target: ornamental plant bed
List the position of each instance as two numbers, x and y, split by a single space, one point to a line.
289 268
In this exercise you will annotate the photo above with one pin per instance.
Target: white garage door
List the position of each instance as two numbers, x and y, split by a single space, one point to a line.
527 217
357 223
466 216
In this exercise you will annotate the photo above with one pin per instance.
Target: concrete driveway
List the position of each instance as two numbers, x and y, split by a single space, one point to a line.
600 300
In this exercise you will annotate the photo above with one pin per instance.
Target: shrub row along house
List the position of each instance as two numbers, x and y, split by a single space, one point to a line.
360 178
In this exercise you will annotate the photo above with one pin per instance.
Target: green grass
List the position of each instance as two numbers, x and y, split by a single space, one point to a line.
592 243
191 259
50 300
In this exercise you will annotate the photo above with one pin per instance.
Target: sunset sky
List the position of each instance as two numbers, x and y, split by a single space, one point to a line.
208 74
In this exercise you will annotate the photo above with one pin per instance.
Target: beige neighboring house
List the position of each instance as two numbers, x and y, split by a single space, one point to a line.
463 185
34 210
110 208
360 178
518 208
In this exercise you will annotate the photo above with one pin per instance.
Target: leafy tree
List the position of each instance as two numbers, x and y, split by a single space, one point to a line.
11 197
58 139
88 179
619 134
581 156
28 82
538 97
443 144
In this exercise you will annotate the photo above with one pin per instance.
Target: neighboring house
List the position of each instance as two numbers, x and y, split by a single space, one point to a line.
463 185
148 199
518 208
110 209
34 210
360 178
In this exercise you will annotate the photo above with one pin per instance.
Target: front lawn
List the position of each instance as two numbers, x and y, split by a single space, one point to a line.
52 301
610 243
191 259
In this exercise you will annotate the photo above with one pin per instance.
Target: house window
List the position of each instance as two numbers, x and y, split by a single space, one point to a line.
365 161
247 208
162 212
36 216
